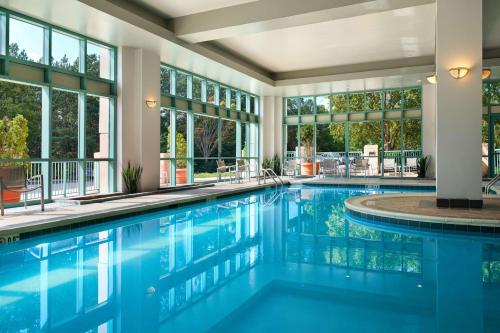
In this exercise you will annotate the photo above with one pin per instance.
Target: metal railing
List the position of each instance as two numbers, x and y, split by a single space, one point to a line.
65 178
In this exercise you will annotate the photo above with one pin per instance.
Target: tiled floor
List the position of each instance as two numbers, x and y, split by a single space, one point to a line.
422 207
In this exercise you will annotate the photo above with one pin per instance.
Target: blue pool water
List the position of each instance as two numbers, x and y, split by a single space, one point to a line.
288 260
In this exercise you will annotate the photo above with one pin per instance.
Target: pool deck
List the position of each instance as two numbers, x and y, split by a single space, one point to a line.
59 216
421 207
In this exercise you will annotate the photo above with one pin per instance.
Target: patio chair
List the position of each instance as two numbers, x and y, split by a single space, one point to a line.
411 164
242 168
390 165
223 169
290 168
361 165
14 179
329 167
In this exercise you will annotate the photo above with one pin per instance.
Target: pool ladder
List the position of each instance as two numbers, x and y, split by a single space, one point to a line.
265 173
491 183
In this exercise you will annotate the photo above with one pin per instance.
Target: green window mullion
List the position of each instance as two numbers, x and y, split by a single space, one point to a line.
82 110
112 146
172 147
190 146
6 44
238 138
46 152
172 82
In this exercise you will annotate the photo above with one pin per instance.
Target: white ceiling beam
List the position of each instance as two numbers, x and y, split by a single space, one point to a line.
268 15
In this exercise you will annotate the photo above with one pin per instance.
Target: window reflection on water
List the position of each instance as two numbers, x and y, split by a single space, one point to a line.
97 279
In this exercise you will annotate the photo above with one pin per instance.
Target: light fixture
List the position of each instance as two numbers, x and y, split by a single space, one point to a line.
151 103
486 73
432 79
458 72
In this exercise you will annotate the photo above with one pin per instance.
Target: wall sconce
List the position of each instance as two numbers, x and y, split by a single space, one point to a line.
458 72
486 73
150 103
432 79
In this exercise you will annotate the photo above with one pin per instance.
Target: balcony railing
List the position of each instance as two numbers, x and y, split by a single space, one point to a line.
65 178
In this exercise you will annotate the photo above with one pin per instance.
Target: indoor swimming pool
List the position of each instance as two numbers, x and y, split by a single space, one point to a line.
277 260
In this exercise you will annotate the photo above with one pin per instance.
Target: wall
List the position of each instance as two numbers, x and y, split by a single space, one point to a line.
138 130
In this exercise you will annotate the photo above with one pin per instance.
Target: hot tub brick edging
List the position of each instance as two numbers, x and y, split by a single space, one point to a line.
424 225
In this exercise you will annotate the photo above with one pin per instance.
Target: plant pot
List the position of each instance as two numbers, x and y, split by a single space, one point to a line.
11 197
181 176
307 168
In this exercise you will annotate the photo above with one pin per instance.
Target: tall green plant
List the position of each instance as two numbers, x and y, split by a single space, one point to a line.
14 137
423 165
180 149
131 177
277 164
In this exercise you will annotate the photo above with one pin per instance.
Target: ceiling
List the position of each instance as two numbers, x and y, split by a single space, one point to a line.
402 33
362 45
176 8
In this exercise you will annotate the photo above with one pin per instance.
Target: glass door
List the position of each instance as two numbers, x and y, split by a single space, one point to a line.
494 145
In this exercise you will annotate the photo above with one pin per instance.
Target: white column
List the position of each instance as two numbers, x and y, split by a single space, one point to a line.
429 125
278 126
138 130
458 103
267 126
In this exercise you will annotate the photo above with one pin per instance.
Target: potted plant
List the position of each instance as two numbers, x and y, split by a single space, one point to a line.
131 178
180 165
306 151
13 145
423 165
180 152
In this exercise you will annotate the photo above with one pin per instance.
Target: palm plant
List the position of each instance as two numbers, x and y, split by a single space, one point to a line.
131 177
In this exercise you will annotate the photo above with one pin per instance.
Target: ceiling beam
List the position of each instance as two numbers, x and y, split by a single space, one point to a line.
268 15
395 67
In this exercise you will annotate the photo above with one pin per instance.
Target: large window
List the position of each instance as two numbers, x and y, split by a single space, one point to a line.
218 124
365 133
57 119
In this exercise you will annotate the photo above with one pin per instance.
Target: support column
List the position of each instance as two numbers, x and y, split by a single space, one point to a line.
429 125
458 103
138 130
267 126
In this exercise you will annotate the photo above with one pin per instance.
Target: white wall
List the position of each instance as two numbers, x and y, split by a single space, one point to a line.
429 125
268 126
458 102
138 130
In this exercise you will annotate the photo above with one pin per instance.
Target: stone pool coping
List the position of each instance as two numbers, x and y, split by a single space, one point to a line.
22 225
406 209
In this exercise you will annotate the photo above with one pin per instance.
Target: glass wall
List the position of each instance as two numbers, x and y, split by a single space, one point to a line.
365 133
491 128
219 123
57 107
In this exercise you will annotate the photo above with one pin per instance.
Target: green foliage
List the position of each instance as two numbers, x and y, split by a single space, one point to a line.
306 135
423 165
267 163
131 177
277 164
180 150
356 102
25 100
374 100
392 99
338 103
14 138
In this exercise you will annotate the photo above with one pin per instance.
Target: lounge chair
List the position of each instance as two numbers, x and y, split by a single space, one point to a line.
223 169
361 165
390 165
329 167
290 168
242 168
14 179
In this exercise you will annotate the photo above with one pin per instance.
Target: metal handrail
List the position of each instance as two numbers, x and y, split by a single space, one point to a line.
491 183
272 175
